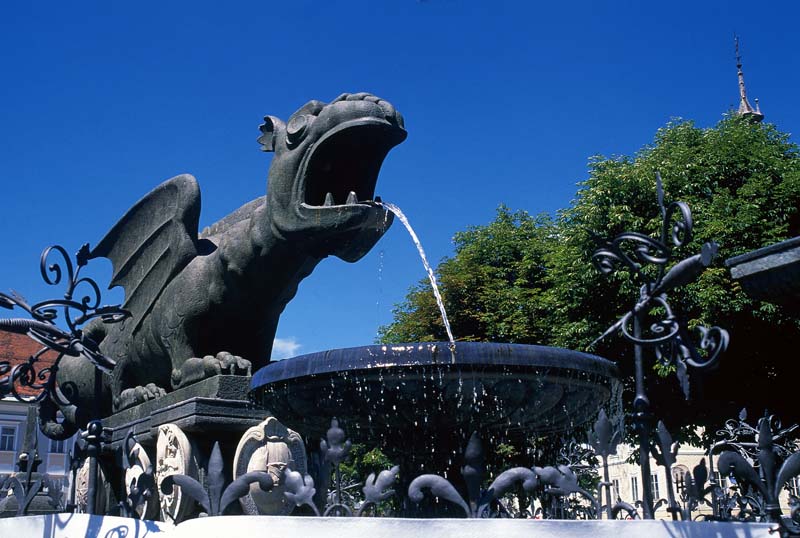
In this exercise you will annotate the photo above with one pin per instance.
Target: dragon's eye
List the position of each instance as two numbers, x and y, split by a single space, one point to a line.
297 128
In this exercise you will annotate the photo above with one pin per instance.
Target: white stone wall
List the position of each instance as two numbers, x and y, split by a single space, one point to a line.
72 525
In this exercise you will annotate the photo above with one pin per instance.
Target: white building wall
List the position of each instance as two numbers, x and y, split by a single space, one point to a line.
14 414
621 472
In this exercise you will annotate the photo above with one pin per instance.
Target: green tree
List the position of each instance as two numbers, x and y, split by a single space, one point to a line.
495 287
530 280
355 470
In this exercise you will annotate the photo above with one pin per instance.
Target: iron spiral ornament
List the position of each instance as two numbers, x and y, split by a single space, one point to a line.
673 342
81 303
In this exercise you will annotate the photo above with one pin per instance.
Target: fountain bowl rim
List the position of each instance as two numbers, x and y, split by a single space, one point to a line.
430 354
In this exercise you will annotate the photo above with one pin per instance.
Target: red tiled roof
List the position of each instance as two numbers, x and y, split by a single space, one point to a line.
17 348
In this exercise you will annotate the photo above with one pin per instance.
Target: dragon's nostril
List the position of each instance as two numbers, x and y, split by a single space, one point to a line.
296 129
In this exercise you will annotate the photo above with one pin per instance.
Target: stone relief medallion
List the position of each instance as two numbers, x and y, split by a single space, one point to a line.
274 448
174 455
82 488
139 463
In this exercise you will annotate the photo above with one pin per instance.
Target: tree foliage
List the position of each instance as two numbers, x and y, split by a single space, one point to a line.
529 279
494 286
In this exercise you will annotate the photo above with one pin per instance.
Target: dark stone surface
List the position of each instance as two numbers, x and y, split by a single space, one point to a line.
193 296
409 395
771 273
217 408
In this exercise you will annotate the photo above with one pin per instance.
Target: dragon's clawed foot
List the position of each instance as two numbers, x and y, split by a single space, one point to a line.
137 395
197 369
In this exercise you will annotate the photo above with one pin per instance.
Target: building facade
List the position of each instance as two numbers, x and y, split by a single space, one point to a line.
626 478
15 349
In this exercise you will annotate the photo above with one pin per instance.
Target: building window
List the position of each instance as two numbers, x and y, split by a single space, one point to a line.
654 486
679 473
635 488
58 447
615 485
8 438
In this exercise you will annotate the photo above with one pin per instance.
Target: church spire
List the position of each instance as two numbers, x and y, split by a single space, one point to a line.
745 108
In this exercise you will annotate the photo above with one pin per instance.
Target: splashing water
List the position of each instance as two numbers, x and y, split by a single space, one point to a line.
431 275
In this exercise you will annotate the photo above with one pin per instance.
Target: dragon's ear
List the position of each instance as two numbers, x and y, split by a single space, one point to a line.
269 129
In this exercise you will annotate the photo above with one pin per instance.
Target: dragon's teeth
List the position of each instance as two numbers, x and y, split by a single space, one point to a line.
328 199
352 198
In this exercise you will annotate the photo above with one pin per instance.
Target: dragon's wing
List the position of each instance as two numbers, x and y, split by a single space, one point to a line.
152 242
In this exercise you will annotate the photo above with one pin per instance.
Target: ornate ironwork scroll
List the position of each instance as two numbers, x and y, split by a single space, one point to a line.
673 343
41 325
762 459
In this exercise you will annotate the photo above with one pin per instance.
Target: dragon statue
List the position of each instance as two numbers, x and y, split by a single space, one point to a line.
209 303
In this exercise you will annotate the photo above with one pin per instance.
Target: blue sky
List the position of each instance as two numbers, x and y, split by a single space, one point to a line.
504 103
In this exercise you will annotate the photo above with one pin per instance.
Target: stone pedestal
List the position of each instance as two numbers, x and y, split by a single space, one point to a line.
215 409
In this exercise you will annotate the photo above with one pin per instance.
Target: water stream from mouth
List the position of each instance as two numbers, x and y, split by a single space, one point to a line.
431 275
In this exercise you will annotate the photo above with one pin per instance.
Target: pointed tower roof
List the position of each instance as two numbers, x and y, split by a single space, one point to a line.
745 108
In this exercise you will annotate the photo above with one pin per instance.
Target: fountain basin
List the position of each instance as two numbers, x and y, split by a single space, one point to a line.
403 392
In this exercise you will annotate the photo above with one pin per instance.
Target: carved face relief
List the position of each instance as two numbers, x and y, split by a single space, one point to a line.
174 455
273 448
82 488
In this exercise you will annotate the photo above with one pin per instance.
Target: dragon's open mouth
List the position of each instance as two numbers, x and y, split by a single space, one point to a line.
343 166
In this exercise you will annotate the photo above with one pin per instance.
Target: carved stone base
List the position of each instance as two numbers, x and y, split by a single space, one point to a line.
273 448
175 454
82 488
217 408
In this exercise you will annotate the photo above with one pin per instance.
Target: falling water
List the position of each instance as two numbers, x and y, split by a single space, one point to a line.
399 214
380 293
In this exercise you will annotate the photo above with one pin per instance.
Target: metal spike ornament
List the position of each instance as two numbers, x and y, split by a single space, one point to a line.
767 478
335 450
668 335
215 497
